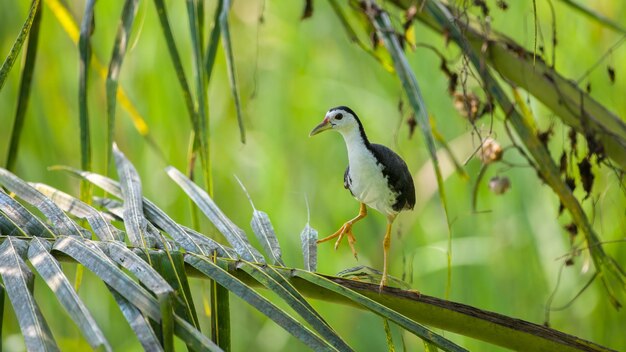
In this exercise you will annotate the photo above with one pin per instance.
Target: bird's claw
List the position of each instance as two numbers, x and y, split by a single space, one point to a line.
345 230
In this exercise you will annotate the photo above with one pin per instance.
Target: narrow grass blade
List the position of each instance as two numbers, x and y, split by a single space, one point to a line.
18 283
176 61
60 222
87 254
51 272
214 39
22 100
201 125
235 236
171 267
385 30
389 336
117 57
134 220
274 282
230 63
23 219
65 19
99 221
415 328
611 273
237 287
152 212
84 47
264 231
210 244
9 228
17 45
138 323
152 280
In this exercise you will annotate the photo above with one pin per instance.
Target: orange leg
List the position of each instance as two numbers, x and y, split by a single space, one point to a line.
346 230
386 245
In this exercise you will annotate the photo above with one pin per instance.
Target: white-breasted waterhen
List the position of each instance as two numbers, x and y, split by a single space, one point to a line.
376 176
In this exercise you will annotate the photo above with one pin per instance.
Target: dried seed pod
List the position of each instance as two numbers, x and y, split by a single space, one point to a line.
490 151
467 105
499 185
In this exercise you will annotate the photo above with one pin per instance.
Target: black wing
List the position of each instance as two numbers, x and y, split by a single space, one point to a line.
398 176
347 181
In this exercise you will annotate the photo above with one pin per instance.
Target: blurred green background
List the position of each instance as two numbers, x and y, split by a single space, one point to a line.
290 72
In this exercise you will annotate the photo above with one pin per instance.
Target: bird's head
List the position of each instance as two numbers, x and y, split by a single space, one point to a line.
341 119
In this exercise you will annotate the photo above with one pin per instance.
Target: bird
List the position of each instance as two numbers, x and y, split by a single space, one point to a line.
376 176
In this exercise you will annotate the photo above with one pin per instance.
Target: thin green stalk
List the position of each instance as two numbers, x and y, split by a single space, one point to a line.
25 83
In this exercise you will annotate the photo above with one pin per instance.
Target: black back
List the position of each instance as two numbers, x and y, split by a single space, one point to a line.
398 176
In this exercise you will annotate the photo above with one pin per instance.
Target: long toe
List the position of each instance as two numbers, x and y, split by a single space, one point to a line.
351 241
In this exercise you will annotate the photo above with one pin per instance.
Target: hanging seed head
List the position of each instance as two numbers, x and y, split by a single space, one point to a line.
490 151
468 105
499 185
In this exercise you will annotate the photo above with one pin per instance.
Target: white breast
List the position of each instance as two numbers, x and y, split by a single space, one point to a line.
366 181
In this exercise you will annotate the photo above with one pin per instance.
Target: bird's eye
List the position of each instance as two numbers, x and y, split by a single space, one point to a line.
339 116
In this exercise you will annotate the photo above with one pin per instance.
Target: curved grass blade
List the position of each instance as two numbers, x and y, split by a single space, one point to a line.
176 61
152 212
210 244
264 231
65 19
612 274
139 323
235 236
230 63
214 38
308 237
237 287
201 125
22 100
100 222
19 41
50 270
595 16
60 222
9 228
84 48
134 220
279 285
18 283
23 219
385 30
90 256
408 324
117 57
150 278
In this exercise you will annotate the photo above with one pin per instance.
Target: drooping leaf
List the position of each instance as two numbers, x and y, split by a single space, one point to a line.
273 281
18 283
138 323
60 222
117 57
235 236
264 231
308 238
21 218
50 270
100 222
403 321
152 212
238 288
134 220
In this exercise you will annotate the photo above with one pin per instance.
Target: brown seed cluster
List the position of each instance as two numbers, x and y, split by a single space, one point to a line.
490 151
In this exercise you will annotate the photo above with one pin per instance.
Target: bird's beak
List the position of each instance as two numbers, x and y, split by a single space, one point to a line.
325 125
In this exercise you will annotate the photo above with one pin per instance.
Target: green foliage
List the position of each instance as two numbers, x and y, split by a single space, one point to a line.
69 109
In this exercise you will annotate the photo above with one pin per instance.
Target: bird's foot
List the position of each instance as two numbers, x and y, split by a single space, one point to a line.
345 230
383 283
